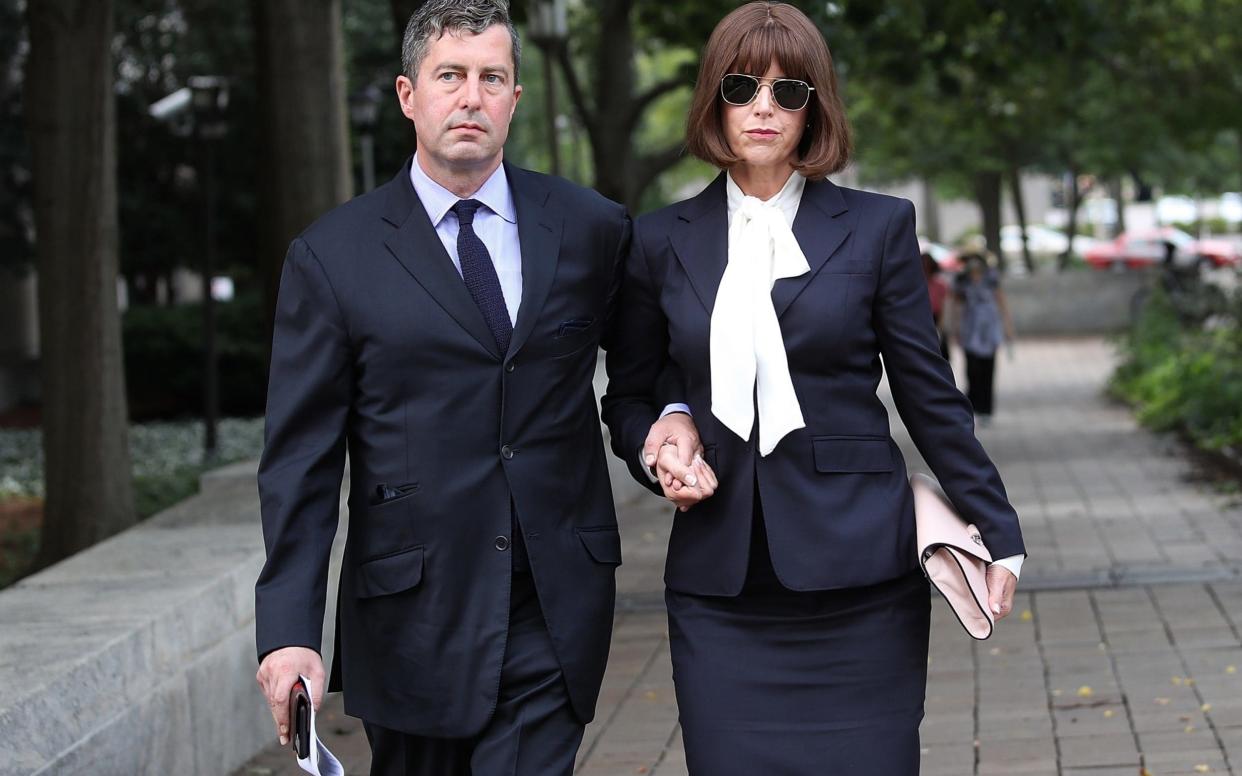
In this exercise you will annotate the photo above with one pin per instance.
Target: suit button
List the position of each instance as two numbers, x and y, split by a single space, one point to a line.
502 543
509 367
506 452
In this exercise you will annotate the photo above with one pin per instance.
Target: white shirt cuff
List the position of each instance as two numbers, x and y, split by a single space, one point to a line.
671 408
1013 563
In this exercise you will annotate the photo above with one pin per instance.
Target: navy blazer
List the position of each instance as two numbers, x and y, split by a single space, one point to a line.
380 350
834 495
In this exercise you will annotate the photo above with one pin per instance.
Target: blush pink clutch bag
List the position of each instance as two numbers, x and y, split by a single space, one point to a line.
952 555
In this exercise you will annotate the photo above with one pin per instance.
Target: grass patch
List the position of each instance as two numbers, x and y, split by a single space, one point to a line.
167 464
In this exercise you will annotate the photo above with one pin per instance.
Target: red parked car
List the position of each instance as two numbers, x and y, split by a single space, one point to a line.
1135 250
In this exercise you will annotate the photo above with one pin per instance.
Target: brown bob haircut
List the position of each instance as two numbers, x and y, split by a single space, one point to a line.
747 41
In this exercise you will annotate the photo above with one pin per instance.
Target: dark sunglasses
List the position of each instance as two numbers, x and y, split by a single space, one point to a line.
742 89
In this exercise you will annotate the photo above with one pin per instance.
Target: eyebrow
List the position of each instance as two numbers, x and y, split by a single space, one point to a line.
504 69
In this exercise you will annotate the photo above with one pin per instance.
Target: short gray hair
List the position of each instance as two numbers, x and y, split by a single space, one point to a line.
438 17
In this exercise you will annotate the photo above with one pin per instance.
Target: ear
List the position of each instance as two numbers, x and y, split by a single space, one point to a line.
405 96
517 95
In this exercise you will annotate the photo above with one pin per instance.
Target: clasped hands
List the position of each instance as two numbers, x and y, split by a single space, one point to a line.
674 453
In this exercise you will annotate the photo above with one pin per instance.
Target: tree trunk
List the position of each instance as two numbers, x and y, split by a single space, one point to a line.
611 146
988 196
612 112
1019 206
1071 228
70 114
1118 195
305 167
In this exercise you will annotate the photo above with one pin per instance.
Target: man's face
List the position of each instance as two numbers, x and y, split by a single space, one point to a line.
464 98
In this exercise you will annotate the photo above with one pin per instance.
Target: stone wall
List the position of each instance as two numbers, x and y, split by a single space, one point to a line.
1074 302
137 655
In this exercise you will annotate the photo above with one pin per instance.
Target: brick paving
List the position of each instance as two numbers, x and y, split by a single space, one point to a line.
1125 649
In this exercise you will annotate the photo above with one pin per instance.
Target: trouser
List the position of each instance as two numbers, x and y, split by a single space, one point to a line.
533 731
980 371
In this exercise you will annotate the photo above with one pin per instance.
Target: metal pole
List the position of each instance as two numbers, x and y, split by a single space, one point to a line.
211 385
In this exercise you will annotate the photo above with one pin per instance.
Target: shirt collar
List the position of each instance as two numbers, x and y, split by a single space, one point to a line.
787 199
437 200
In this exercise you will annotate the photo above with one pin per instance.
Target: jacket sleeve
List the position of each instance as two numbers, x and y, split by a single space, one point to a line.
938 416
308 400
637 364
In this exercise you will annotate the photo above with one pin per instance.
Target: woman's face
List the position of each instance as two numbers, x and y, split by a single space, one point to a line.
763 134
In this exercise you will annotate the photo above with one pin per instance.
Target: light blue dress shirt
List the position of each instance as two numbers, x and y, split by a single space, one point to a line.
495 224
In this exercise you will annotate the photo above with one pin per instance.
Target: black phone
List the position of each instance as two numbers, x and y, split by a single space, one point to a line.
299 716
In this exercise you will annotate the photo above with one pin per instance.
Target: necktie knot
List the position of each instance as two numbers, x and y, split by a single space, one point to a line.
465 210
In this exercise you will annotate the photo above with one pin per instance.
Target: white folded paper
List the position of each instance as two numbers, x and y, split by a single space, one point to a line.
320 761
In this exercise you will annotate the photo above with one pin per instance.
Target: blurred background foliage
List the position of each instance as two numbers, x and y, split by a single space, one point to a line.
965 96
961 94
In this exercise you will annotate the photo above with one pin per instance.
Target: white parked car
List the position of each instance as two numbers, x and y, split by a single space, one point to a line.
1042 240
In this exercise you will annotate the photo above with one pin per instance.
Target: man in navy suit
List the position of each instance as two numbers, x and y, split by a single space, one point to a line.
443 330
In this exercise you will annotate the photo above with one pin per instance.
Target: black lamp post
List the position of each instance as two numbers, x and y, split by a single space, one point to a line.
209 100
548 26
364 108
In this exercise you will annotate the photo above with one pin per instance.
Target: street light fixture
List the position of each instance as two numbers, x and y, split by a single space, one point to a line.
200 110
364 108
547 24
209 105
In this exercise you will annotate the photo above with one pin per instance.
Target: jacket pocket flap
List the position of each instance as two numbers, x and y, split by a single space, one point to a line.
390 573
604 544
852 454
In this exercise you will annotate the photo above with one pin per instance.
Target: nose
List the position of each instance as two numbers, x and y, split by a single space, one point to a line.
763 100
472 93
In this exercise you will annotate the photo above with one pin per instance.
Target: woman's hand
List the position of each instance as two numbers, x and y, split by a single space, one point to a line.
676 489
1001 585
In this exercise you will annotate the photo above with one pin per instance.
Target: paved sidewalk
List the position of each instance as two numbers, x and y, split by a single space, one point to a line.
1124 651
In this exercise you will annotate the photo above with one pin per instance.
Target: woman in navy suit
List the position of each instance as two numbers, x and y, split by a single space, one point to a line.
798 618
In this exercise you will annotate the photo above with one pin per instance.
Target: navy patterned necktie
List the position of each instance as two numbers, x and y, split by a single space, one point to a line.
480 275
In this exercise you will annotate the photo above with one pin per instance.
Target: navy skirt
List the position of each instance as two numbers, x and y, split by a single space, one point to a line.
785 683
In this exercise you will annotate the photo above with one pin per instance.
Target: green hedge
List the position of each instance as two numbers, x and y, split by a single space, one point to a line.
164 359
1184 371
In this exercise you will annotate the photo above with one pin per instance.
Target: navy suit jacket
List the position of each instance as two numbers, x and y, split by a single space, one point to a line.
379 350
834 495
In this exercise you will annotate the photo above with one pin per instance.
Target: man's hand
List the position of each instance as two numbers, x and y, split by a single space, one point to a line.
1001 584
674 451
277 674
677 430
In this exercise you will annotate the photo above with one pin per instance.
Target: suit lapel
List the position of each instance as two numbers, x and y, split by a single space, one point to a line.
539 232
819 233
417 246
700 239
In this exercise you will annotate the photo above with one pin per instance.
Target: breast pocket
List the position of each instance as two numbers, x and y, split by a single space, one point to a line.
573 335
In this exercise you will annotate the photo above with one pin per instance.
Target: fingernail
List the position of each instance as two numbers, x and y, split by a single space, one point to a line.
284 741
650 459
995 608
692 480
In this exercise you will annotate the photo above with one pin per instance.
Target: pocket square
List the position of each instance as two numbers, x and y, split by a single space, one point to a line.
574 326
